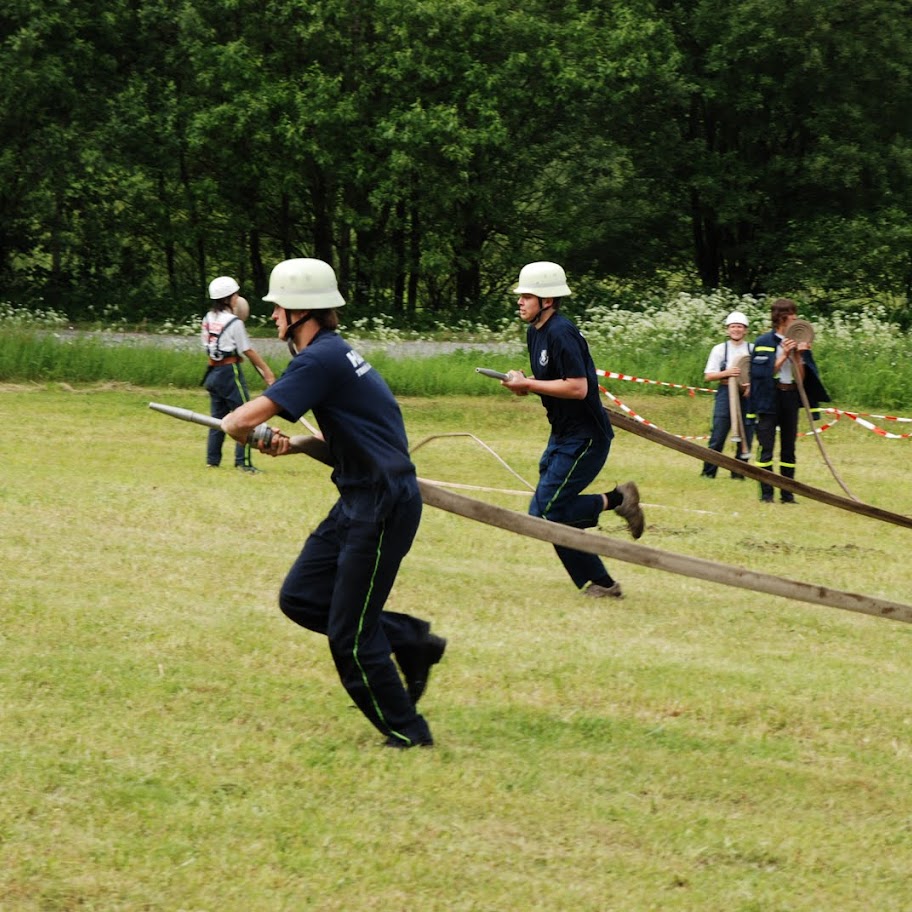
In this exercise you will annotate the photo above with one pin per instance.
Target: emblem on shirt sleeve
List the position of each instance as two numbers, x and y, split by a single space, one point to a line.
358 363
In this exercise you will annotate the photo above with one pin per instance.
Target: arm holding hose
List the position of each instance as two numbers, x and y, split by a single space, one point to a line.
244 421
567 388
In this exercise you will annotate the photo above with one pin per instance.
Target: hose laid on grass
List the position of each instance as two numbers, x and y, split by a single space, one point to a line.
696 567
704 454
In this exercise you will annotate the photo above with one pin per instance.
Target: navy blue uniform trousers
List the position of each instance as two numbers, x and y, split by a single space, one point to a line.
721 425
338 587
566 468
227 389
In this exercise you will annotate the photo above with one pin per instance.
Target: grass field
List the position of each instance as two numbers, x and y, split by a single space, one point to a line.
168 741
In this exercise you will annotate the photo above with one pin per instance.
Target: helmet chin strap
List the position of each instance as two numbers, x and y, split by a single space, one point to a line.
291 327
541 310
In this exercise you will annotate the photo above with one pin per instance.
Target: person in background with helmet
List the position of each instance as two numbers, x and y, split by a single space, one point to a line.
774 393
721 367
341 580
565 379
225 339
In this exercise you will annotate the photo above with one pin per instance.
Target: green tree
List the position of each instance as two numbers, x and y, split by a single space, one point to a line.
55 61
799 115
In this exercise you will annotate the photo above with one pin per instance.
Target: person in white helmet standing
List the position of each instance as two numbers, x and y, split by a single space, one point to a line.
341 580
722 367
224 337
581 433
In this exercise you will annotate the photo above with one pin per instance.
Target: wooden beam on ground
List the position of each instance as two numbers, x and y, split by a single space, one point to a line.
597 543
705 454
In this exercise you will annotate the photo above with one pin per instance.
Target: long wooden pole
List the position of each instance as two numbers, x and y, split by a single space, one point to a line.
696 567
704 454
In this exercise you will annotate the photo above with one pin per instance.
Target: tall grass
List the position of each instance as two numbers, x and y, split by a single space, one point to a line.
169 742
865 359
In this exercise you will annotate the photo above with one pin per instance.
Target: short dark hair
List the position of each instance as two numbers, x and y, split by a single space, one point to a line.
780 309
326 319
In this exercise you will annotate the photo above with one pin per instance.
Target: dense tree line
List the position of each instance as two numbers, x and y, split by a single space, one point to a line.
428 148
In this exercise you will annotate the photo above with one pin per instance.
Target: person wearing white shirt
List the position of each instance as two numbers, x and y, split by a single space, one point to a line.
722 367
224 337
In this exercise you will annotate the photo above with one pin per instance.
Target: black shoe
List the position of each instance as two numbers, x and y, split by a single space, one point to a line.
789 500
737 477
406 743
766 500
417 667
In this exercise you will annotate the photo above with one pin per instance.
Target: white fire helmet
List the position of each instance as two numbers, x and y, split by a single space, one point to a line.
304 284
222 287
736 317
544 280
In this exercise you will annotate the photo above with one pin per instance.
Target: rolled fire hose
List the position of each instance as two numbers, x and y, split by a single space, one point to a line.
802 331
734 404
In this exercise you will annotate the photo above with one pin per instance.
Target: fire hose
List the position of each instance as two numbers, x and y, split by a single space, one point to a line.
739 435
704 454
802 331
568 537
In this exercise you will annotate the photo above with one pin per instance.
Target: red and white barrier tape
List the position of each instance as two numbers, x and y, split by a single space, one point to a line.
857 417
868 415
641 419
868 426
612 375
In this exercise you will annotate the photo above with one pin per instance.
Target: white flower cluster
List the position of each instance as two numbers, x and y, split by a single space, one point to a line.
190 327
660 323
700 320
376 327
10 315
880 335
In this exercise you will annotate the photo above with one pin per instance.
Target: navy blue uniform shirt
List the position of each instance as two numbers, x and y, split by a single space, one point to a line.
559 351
360 420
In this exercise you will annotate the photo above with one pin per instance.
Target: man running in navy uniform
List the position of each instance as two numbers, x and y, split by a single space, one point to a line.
581 434
343 576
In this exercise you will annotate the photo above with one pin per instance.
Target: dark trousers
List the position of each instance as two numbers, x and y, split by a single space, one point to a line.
721 425
566 468
338 586
227 391
788 404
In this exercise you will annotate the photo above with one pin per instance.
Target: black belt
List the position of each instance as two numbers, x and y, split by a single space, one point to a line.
786 386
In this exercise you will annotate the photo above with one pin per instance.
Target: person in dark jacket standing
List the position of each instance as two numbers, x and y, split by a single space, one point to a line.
340 581
775 398
581 434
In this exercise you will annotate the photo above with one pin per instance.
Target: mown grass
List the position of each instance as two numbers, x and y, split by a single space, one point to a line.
168 741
